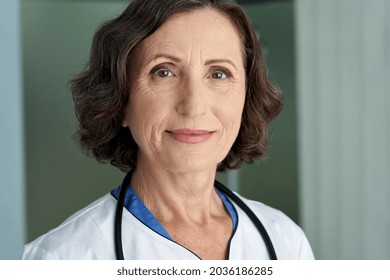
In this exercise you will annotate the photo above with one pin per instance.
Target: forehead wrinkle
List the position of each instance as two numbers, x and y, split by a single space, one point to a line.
155 47
150 51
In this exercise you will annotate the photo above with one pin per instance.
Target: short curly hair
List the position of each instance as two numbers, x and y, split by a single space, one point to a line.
101 91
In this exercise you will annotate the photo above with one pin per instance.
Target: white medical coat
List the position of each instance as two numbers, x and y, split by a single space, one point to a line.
89 234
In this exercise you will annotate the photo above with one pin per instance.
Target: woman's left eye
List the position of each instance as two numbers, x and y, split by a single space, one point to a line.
219 75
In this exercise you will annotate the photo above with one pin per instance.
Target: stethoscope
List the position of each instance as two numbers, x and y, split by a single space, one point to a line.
120 204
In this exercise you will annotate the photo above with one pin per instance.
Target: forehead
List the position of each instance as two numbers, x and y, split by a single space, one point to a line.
205 31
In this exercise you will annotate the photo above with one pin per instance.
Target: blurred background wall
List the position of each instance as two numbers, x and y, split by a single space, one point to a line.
329 157
274 180
12 182
343 58
57 36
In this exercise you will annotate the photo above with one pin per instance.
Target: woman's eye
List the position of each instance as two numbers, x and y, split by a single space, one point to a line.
163 73
219 75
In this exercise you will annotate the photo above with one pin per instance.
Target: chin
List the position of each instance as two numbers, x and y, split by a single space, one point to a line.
189 164
192 162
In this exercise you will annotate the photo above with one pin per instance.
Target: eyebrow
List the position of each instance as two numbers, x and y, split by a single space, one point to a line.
162 55
177 60
221 60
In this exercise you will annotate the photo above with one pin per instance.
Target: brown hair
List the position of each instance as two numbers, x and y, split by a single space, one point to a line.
101 91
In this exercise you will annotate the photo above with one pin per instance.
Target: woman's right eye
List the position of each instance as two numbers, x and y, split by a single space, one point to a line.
162 73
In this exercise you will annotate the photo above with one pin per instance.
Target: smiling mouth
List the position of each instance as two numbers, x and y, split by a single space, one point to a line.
190 136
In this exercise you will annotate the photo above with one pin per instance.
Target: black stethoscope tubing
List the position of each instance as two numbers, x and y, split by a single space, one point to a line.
119 213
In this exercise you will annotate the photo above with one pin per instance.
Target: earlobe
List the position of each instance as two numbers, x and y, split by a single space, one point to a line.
124 122
124 118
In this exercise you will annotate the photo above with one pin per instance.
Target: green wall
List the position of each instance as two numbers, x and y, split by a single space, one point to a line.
12 194
275 180
59 178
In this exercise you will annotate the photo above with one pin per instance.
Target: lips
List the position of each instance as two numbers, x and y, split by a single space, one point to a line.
190 136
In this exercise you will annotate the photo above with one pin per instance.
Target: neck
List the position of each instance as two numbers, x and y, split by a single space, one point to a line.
171 196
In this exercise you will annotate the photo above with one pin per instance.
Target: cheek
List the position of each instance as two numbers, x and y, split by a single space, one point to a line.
232 110
145 115
137 113
234 124
229 115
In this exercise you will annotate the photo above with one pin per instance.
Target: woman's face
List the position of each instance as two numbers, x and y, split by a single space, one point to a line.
187 92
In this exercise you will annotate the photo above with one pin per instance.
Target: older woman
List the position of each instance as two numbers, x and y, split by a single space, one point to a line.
174 92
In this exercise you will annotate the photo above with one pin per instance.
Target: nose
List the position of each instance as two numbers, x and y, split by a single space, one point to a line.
192 101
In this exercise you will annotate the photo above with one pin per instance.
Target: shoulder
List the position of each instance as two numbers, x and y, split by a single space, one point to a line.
87 234
273 217
288 238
